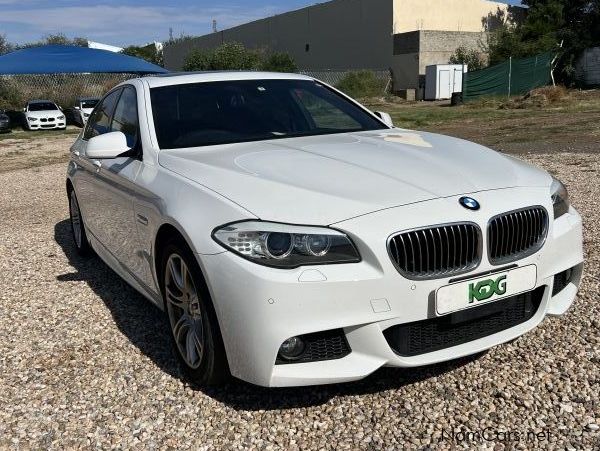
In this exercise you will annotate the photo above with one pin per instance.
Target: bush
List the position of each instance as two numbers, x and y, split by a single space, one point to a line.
471 57
361 84
234 56
538 98
228 56
279 62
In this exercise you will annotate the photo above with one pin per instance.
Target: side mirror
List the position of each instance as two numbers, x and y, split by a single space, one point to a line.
76 108
24 110
385 117
106 146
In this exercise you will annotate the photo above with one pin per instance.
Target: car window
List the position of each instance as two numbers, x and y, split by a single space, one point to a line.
211 113
90 103
42 106
125 118
99 120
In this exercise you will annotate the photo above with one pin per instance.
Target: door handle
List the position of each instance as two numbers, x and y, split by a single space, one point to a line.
98 165
76 154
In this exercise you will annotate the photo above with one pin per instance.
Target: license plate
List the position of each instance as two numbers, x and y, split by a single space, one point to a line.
482 290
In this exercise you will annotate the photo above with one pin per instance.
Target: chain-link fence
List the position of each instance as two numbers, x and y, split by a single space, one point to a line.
334 77
16 90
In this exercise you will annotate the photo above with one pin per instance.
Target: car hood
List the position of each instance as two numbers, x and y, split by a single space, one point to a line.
44 114
327 179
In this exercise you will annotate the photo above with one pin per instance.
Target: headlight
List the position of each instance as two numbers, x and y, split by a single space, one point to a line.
86 115
286 246
60 118
560 198
32 119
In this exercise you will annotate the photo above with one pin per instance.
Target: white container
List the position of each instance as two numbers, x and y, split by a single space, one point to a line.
441 80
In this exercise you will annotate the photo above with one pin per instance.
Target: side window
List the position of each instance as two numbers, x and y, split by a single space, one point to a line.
99 121
125 118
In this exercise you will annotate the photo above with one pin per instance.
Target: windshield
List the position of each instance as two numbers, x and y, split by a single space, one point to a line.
204 114
42 106
89 103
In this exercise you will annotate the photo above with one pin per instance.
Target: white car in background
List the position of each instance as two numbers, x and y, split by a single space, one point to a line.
294 237
83 108
43 114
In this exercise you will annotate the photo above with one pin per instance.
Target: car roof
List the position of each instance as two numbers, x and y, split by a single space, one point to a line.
178 78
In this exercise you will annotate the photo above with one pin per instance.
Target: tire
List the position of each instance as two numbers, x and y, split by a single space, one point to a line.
195 332
80 240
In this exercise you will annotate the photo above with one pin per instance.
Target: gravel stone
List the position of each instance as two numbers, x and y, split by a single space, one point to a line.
85 361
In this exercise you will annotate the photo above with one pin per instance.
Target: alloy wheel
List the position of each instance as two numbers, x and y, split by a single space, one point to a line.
184 310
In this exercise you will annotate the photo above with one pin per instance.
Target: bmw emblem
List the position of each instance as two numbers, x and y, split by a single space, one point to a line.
469 203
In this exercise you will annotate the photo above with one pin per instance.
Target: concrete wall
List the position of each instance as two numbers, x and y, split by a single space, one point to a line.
404 35
415 50
445 15
342 34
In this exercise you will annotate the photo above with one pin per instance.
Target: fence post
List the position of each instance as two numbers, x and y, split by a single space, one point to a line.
509 74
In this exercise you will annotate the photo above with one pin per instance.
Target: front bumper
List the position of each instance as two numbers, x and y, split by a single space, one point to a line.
38 125
260 307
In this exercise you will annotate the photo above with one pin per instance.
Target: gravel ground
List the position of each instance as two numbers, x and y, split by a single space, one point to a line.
85 361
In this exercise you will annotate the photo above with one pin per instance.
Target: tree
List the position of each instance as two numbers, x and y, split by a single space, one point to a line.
56 39
549 23
5 46
151 53
471 57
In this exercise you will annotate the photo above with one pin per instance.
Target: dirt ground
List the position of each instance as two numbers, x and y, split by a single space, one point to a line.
20 149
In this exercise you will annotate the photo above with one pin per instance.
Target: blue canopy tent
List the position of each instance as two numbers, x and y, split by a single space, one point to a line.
66 59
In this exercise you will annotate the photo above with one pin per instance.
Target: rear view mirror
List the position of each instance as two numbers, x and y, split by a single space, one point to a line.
385 117
106 146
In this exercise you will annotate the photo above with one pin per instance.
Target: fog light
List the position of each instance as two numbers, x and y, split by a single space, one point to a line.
292 348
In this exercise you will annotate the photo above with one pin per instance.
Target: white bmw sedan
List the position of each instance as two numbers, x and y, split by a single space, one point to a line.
294 237
43 114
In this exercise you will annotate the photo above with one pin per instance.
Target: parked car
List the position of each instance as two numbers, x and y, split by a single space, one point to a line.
5 125
80 112
294 237
43 114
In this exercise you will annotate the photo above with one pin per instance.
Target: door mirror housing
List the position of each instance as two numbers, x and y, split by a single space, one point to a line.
385 117
106 146
76 107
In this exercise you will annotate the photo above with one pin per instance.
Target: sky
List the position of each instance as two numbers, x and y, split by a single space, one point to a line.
128 22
